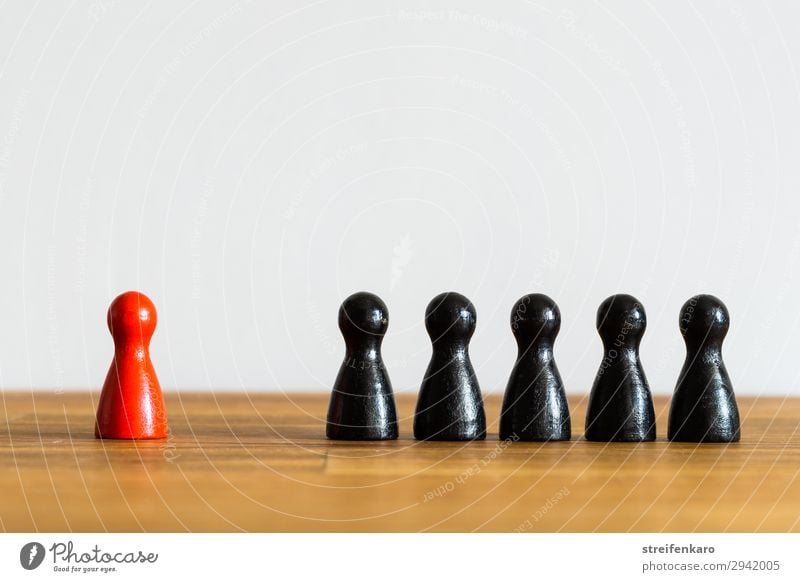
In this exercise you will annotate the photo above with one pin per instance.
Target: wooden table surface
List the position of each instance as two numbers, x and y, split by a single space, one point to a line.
260 462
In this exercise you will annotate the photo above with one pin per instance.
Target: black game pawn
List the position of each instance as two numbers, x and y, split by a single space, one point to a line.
450 407
704 407
535 405
620 404
362 401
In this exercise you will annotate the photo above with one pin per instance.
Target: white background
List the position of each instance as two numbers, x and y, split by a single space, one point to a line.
486 556
250 166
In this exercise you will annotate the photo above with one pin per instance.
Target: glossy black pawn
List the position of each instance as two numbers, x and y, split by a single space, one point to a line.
703 408
620 404
535 405
450 407
362 401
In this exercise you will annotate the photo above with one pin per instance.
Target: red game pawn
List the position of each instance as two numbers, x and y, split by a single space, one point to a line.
131 404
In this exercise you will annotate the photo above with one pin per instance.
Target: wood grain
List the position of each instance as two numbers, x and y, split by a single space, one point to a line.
259 462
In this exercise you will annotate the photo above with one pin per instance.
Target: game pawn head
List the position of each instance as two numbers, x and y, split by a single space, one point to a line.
535 317
362 403
621 321
450 318
131 404
704 321
703 408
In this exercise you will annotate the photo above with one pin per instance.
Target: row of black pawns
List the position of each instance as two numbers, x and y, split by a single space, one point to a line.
450 406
